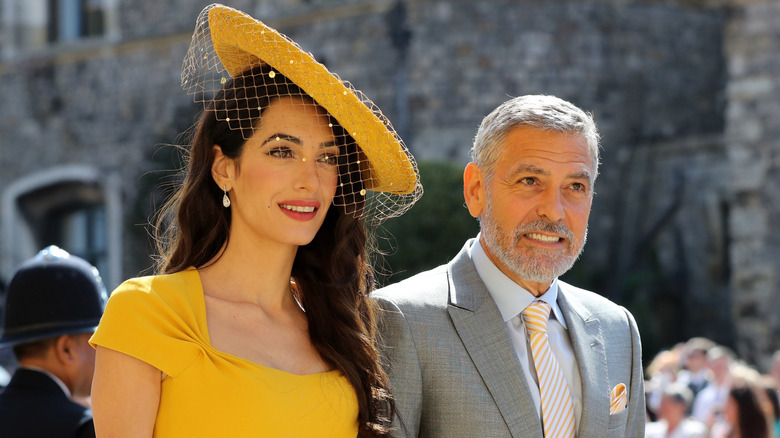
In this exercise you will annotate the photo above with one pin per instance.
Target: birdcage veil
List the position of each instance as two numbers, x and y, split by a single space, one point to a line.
236 66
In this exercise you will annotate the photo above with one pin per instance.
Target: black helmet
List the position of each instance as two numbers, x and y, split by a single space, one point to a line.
52 294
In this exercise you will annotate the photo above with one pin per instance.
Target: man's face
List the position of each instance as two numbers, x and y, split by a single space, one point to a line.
696 361
671 409
534 209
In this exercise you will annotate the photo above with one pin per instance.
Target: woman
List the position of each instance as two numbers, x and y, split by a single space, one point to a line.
260 324
744 414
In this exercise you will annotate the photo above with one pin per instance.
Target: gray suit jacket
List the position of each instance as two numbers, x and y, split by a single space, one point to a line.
454 372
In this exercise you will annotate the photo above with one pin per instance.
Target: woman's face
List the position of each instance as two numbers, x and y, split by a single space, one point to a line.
286 175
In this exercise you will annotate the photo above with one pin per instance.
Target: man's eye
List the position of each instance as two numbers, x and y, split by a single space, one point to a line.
579 187
281 153
529 181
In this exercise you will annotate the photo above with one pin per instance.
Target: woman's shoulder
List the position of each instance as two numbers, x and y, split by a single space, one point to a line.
147 317
165 287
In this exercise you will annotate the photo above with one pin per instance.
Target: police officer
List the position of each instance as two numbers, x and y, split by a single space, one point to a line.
52 306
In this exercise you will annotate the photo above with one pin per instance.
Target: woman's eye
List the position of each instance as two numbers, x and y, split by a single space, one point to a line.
281 153
330 159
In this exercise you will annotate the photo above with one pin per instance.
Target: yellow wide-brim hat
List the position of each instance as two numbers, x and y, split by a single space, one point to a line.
242 42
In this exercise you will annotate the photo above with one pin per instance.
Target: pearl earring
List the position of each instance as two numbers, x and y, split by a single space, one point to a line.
225 199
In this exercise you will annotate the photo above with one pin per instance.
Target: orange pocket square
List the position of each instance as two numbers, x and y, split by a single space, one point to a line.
618 399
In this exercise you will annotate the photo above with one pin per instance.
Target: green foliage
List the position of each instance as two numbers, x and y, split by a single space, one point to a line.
433 231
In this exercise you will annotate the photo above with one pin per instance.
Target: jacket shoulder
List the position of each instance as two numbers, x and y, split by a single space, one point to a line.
426 288
602 307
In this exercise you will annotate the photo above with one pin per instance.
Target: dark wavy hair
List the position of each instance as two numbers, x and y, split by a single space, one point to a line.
332 274
752 421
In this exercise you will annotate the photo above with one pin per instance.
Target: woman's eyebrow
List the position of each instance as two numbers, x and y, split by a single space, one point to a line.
282 136
295 140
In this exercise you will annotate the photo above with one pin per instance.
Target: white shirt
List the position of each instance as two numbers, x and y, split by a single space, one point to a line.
511 300
686 429
709 400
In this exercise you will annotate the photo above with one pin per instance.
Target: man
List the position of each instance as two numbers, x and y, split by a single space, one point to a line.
672 415
462 360
696 373
710 402
52 306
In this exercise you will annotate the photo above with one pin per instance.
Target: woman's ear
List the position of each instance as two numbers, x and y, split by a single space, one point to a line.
223 169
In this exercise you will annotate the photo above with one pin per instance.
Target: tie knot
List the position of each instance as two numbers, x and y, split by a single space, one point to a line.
536 315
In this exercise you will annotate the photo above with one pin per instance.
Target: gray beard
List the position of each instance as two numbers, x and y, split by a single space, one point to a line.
532 264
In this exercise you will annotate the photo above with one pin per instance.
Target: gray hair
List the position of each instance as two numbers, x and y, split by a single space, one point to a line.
539 111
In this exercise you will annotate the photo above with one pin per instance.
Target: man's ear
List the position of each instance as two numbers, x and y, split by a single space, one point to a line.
223 169
64 349
474 189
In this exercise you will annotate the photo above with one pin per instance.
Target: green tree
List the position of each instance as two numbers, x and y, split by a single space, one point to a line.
433 231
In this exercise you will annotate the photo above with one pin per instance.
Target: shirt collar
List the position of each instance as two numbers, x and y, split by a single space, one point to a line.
510 297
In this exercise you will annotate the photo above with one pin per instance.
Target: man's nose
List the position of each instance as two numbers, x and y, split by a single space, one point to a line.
551 205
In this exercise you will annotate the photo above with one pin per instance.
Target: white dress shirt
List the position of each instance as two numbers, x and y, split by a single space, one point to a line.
511 300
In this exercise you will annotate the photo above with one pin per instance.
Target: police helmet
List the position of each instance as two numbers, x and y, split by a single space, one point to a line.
52 294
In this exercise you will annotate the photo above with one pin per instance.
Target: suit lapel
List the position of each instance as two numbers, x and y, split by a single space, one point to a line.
481 329
590 351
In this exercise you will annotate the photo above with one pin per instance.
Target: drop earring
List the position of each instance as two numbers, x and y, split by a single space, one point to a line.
225 199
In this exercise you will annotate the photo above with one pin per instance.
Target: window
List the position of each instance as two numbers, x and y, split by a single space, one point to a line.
69 20
70 215
82 229
74 207
32 25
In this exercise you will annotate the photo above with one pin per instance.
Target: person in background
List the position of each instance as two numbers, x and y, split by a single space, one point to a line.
710 402
744 415
52 306
695 374
673 421
768 386
662 371
774 371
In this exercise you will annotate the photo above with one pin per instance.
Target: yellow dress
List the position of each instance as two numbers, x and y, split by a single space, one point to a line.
161 320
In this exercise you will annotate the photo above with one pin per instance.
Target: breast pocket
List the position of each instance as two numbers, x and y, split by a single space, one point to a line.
617 424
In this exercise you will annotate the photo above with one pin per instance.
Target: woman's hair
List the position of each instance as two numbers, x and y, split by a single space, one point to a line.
770 394
332 273
752 421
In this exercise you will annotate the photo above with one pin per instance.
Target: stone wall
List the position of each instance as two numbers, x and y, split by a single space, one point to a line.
752 137
684 93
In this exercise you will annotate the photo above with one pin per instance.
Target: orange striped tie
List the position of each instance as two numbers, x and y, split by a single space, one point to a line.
557 407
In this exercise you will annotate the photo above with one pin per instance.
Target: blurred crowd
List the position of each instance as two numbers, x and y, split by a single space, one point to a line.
701 389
